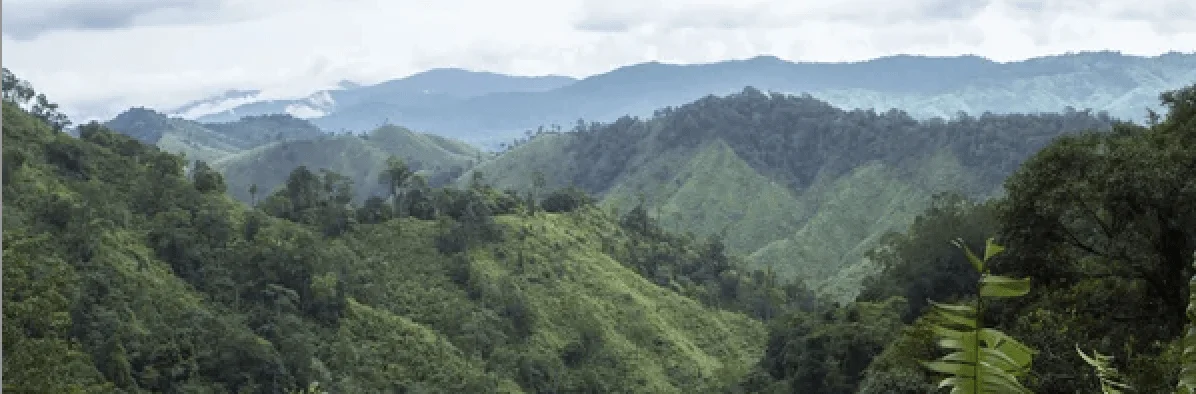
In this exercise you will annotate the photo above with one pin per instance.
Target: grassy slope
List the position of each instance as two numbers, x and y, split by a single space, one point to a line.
851 214
361 159
430 150
708 191
268 166
513 169
176 135
209 148
197 142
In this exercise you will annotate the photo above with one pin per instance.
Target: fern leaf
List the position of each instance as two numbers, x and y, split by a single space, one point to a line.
981 360
1000 286
1109 377
1187 372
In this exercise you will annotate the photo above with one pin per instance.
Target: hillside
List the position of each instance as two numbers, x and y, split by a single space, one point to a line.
794 182
123 275
919 85
212 141
261 150
361 158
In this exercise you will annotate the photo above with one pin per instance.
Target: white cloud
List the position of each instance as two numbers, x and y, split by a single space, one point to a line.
99 59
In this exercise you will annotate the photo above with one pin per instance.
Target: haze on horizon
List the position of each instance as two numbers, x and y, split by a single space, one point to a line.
97 58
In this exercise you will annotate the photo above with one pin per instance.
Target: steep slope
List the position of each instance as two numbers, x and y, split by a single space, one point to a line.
252 131
122 275
853 212
800 186
361 158
422 150
711 191
174 134
267 166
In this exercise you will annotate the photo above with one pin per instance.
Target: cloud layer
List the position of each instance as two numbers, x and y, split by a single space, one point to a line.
98 58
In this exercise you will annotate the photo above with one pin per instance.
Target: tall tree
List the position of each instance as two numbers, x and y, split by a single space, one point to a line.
537 186
395 177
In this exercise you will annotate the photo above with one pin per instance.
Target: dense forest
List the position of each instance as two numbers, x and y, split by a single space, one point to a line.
791 182
130 269
794 138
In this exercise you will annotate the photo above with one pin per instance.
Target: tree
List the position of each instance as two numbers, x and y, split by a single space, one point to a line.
16 90
1118 204
537 185
395 177
48 112
20 92
206 179
302 189
921 264
253 194
419 200
476 180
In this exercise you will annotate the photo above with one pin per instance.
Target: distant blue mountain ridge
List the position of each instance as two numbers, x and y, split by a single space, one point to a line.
487 108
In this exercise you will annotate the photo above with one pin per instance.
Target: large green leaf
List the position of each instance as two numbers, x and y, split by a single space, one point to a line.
1001 287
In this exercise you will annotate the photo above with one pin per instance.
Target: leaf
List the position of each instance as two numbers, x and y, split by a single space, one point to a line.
976 262
1104 371
1000 286
992 249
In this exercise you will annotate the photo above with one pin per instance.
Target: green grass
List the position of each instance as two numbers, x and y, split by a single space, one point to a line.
360 159
268 166
708 192
514 169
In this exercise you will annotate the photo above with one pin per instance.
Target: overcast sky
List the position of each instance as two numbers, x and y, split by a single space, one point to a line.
97 58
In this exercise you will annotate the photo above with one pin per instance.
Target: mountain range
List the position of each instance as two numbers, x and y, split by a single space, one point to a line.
793 183
750 241
487 109
796 183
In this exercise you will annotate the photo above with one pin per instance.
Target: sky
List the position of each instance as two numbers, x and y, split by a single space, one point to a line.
97 58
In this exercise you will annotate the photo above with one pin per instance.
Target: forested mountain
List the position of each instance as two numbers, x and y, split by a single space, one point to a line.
792 181
1122 85
124 275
